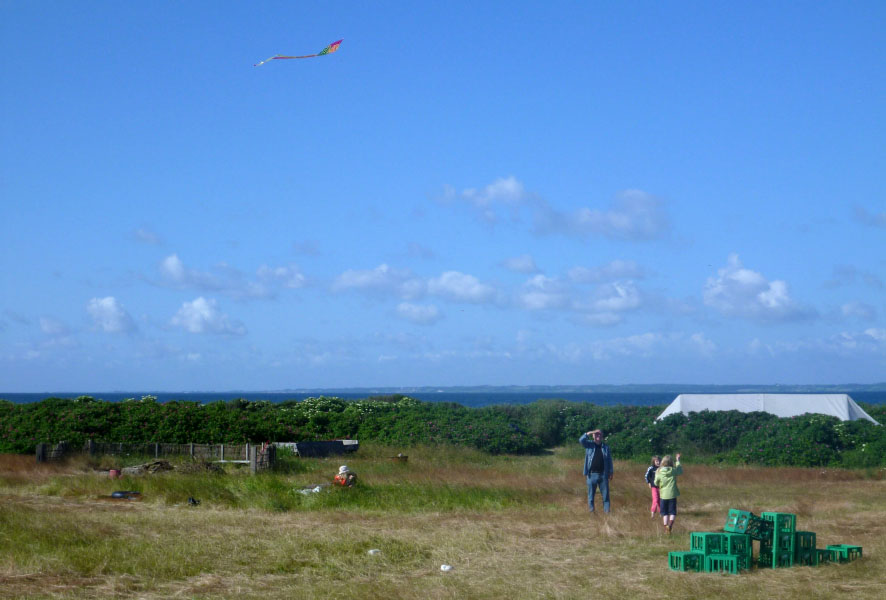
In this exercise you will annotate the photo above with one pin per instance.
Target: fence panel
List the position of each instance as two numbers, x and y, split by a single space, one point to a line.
243 453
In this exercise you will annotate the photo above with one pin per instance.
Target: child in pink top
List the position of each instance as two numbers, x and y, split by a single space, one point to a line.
650 481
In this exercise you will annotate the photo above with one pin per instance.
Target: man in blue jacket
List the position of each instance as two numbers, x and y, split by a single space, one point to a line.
598 467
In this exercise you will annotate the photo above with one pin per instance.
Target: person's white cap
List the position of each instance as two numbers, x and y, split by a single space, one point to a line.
343 469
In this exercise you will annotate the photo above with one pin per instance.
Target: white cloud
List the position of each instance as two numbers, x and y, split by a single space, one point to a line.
602 305
382 279
607 303
59 334
460 287
490 203
543 293
603 319
641 345
756 346
521 264
611 271
173 268
402 283
420 314
634 345
109 315
633 215
870 342
616 297
225 279
203 316
147 237
741 292
859 310
288 277
504 193
705 346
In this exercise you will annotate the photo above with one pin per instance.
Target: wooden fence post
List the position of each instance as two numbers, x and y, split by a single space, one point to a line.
90 447
156 450
222 452
41 453
192 450
253 460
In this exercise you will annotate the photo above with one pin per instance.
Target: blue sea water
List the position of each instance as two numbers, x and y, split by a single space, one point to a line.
470 399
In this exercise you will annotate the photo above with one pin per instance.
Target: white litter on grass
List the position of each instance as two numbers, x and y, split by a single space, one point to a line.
445 567
374 551
307 491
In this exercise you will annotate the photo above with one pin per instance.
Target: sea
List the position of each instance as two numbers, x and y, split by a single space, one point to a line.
469 399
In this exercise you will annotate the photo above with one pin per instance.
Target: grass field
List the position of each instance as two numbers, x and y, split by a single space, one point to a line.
511 527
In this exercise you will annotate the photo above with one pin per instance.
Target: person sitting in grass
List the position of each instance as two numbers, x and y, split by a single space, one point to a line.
666 480
345 477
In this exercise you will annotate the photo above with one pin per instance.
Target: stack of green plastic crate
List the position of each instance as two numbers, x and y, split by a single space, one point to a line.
781 545
714 552
779 550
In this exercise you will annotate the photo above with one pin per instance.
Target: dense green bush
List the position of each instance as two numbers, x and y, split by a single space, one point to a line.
631 431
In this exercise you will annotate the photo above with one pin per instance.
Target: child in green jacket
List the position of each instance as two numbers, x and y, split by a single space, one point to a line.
666 480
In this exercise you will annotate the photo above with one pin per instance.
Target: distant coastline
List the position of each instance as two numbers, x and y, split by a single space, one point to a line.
650 388
476 396
630 388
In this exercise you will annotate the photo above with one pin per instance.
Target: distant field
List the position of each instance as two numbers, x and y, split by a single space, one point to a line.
511 527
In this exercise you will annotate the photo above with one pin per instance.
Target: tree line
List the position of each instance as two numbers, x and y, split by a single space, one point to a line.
729 437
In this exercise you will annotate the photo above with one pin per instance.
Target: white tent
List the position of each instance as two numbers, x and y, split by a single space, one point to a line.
782 405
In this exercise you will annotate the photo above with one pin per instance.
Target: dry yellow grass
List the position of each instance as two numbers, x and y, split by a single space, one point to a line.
548 548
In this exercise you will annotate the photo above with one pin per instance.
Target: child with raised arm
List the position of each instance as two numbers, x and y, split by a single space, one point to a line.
666 480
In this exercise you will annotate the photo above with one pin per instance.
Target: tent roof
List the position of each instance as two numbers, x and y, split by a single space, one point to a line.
782 405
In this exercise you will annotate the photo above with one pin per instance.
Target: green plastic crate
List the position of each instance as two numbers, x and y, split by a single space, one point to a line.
724 563
775 559
844 552
686 561
737 520
781 521
824 556
806 558
740 544
761 530
783 541
708 542
804 540
743 521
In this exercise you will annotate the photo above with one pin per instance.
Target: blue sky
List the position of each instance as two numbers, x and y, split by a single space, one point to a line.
465 193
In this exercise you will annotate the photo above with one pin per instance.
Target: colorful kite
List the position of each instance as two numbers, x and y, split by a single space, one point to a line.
327 50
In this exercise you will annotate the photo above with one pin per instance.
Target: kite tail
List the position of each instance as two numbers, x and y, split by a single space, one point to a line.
264 61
